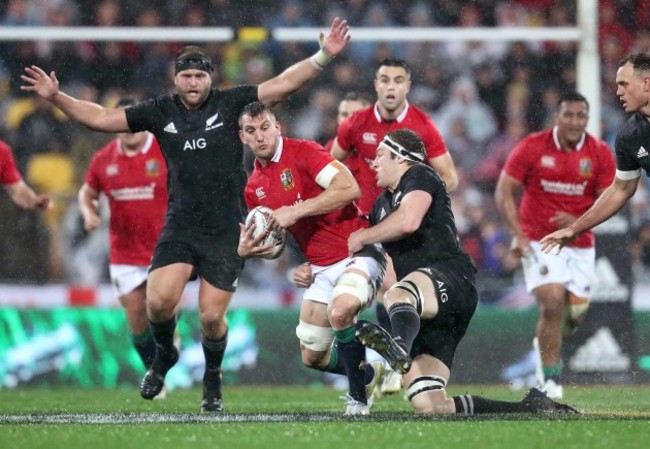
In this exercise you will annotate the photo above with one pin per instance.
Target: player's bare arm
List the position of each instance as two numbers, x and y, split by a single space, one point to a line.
92 115
337 152
444 165
25 197
278 88
505 195
405 220
340 190
607 204
89 207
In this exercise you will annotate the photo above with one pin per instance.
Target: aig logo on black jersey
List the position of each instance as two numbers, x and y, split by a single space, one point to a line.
195 144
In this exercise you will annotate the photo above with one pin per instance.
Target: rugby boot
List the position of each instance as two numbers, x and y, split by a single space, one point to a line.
379 340
154 379
537 402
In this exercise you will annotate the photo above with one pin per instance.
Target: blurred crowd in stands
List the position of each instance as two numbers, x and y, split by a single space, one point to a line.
483 96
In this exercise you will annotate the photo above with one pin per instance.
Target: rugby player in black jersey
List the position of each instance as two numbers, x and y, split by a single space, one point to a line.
199 135
435 297
632 148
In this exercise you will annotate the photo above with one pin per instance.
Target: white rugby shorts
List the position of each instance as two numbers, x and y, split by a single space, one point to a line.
325 277
573 267
125 278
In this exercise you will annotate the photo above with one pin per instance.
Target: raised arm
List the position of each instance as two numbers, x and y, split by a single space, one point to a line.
92 115
293 78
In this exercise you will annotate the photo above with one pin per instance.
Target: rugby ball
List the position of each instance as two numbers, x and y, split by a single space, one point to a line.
278 239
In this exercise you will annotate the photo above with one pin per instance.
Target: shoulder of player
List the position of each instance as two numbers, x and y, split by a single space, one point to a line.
291 144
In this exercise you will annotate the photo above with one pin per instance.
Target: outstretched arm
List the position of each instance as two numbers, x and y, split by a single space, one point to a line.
92 115
293 78
25 197
607 204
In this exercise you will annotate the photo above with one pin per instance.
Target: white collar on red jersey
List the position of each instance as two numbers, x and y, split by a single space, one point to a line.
145 148
399 118
556 139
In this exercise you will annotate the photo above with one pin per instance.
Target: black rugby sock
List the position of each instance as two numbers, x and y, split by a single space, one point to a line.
352 354
163 335
214 350
472 405
145 346
405 321
383 319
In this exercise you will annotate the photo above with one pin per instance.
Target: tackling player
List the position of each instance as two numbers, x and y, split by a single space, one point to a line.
312 196
435 298
357 139
561 171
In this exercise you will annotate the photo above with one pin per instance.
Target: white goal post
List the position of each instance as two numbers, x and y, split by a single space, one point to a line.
585 34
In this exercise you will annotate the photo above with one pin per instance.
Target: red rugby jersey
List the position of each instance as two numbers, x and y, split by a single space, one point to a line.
364 130
291 178
9 173
136 188
556 180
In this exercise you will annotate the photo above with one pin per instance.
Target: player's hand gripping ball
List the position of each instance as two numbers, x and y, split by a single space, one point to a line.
278 239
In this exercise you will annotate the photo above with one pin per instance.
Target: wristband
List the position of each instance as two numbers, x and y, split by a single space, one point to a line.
320 59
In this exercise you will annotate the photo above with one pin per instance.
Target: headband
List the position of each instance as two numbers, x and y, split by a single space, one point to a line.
399 150
193 61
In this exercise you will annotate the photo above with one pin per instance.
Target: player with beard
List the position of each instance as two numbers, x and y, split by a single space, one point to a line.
198 133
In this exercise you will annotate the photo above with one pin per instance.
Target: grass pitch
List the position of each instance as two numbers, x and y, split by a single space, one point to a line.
264 417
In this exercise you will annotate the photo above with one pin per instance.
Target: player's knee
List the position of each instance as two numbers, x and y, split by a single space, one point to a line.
427 395
317 339
313 359
404 291
342 311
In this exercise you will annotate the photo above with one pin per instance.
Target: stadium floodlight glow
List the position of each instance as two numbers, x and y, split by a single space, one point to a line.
116 34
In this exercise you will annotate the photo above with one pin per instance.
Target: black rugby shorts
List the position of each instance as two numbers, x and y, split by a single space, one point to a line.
457 301
214 255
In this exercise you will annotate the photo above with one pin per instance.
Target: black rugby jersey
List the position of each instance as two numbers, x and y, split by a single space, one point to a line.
203 152
437 238
633 144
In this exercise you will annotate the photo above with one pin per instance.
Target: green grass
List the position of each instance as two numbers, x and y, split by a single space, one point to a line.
311 418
